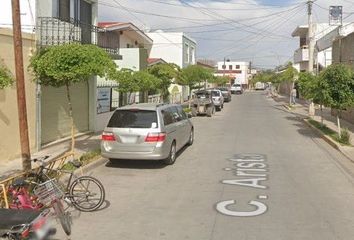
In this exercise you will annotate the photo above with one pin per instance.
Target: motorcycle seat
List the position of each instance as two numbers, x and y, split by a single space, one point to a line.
14 217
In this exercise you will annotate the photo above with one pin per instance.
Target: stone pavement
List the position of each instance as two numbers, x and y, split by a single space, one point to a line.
301 109
83 144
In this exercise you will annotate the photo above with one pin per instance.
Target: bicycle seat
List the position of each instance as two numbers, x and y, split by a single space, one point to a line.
19 182
13 217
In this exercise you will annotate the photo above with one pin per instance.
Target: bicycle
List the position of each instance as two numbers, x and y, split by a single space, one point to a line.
45 195
79 192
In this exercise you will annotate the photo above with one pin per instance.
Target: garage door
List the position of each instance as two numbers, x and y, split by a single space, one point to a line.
55 115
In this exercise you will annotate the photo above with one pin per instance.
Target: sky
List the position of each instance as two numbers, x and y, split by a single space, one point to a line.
239 30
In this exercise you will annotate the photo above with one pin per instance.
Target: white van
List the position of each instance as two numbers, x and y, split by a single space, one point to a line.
236 88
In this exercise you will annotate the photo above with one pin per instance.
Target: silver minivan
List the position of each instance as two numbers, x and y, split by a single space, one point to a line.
151 131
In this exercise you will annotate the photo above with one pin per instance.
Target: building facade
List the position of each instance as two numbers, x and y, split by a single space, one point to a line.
177 48
9 125
238 72
134 48
301 55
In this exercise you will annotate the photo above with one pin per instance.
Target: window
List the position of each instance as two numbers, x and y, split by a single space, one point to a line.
237 66
132 118
186 52
230 67
192 60
64 10
181 113
167 116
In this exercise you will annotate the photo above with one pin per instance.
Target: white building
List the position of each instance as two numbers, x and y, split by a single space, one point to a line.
173 47
301 55
323 47
238 72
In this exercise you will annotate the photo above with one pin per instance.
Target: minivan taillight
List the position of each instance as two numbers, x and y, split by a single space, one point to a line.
108 136
155 137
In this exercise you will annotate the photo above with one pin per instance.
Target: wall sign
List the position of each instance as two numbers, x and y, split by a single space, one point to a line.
103 100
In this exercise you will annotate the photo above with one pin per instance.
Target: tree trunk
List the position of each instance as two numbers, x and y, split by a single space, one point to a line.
190 97
71 118
321 106
338 124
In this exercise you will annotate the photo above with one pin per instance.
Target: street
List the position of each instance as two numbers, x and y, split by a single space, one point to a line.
290 185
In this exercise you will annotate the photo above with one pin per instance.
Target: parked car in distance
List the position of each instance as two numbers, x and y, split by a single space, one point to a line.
226 92
202 103
260 86
218 99
236 89
147 131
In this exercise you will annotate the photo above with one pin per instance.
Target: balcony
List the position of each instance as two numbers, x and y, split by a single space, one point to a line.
53 31
301 54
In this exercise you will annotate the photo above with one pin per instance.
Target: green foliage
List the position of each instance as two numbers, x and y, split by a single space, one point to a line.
125 79
340 80
145 81
194 74
343 139
289 74
219 80
166 73
5 76
313 88
66 64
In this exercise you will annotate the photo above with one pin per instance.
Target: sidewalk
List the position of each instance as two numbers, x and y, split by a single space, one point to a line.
83 144
301 109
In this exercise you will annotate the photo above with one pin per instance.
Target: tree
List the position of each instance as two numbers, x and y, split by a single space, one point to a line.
166 72
313 88
290 74
5 76
219 80
65 65
340 80
192 75
146 82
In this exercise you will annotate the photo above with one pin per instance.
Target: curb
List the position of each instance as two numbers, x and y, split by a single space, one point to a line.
94 164
324 137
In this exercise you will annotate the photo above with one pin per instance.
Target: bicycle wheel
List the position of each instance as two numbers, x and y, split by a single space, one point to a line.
87 193
64 217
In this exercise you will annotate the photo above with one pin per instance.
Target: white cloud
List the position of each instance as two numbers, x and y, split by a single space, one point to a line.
240 33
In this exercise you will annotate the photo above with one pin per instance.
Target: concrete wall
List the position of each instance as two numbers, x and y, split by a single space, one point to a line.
9 140
345 54
133 58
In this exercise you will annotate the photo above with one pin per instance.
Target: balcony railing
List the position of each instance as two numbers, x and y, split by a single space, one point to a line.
54 31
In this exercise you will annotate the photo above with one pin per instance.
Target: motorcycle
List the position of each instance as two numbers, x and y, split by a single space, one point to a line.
21 224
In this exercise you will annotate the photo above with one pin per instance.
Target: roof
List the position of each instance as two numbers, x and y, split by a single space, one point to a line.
145 106
205 65
124 26
300 31
153 61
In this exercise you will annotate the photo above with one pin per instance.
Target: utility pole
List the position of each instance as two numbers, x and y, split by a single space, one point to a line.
20 86
311 37
311 48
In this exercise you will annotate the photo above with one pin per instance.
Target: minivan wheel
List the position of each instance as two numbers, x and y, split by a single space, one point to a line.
172 156
191 137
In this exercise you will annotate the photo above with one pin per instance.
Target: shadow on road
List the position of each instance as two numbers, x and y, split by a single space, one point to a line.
141 164
303 129
135 164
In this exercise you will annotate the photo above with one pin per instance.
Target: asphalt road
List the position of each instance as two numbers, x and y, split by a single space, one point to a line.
254 172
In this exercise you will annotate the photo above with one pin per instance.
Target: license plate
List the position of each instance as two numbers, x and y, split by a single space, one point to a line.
201 109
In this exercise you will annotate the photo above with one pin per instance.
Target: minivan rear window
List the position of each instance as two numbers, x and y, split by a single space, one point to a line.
133 118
